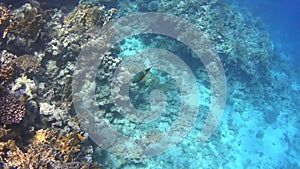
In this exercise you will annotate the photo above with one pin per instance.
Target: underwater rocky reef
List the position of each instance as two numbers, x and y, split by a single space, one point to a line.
39 128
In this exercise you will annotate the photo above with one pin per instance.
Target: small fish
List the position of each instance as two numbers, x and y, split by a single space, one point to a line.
141 76
81 137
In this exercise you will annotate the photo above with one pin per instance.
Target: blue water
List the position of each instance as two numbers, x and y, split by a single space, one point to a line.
260 127
256 41
282 22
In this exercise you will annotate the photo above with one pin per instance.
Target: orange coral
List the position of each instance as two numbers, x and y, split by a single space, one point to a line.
6 20
69 143
47 148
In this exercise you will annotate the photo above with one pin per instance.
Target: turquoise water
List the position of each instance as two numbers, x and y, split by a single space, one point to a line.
254 44
260 124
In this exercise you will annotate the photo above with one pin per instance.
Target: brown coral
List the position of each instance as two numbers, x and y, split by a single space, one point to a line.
11 110
4 132
48 150
7 70
29 21
85 17
27 63
23 27
6 21
68 144
40 136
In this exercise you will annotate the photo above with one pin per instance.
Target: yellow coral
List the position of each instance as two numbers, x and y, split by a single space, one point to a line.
40 136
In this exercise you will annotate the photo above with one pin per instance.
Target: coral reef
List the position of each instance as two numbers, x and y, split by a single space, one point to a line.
244 47
6 21
39 45
28 63
7 70
85 17
75 29
48 150
38 49
11 110
24 28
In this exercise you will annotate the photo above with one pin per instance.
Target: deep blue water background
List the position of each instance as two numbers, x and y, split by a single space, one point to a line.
281 19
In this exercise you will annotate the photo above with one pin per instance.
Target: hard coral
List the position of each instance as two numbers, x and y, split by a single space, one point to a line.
4 132
25 85
11 110
69 143
6 21
26 29
48 150
29 21
7 69
40 136
27 63
86 16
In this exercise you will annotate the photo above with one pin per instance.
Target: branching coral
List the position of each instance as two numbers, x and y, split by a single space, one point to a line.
6 21
85 16
23 27
49 149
